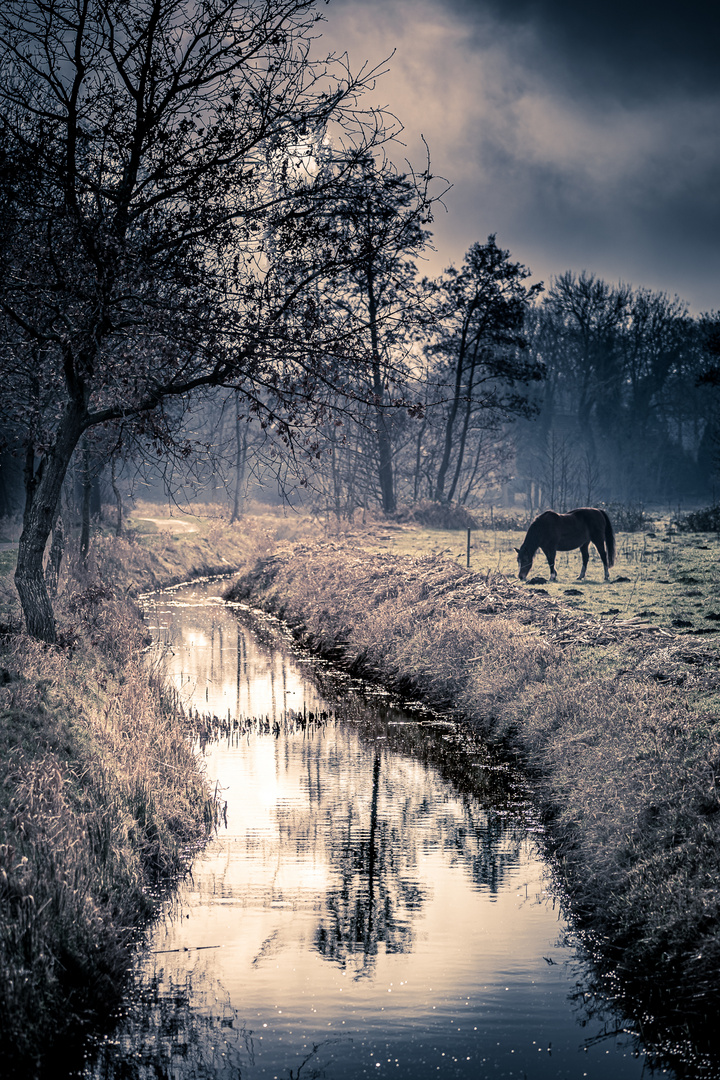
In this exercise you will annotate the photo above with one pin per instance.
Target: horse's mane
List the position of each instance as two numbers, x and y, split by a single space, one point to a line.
531 543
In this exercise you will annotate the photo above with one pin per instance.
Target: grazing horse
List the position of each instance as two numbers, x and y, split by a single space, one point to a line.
564 532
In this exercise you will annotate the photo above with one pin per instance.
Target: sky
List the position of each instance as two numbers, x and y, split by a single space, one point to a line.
586 136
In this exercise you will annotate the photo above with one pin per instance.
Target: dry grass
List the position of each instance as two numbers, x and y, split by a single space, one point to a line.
162 546
616 719
101 798
615 713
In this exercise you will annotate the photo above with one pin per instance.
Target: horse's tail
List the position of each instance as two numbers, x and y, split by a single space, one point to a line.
609 540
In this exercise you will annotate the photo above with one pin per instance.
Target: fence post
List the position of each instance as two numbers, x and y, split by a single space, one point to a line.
468 549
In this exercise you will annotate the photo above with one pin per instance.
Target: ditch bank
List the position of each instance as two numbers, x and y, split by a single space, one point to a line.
616 721
102 801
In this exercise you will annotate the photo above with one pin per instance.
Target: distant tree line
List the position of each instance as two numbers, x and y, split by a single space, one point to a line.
574 394
626 410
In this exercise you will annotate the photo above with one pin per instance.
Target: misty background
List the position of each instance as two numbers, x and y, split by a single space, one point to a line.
581 144
584 135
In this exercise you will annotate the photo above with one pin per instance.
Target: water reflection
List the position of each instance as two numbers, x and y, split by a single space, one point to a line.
373 902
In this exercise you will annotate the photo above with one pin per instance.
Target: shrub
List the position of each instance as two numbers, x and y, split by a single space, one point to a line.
627 517
504 521
705 520
436 515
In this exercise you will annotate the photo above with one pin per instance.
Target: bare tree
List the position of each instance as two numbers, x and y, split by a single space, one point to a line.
621 367
168 228
387 213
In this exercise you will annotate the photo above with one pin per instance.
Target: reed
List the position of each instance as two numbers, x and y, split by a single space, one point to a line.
102 801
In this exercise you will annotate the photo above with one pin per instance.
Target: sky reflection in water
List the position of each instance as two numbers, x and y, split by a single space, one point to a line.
357 915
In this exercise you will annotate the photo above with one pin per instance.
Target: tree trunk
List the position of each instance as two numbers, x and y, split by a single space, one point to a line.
418 460
473 474
454 406
43 486
384 445
447 451
385 471
335 474
118 498
241 442
465 426
85 511
57 548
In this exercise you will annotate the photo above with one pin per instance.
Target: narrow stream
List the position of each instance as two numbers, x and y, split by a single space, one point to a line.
363 911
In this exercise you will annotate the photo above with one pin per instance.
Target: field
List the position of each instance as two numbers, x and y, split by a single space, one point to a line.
610 692
661 577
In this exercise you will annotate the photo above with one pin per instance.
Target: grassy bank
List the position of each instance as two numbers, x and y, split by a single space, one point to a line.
617 720
102 801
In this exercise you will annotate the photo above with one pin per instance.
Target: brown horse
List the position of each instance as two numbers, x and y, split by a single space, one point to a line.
564 532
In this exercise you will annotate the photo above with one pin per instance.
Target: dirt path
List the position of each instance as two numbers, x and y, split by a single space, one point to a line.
171 524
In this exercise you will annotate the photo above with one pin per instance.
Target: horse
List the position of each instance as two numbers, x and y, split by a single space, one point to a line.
564 532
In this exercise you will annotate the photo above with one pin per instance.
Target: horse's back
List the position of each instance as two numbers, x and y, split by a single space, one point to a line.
594 524
591 515
573 529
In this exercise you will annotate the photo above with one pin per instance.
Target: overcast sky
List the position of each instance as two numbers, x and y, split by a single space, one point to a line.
585 135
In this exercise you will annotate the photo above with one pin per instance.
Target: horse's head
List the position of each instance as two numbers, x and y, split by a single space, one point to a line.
525 561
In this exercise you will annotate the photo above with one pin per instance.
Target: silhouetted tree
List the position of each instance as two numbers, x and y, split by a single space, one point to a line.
481 349
618 397
387 213
169 229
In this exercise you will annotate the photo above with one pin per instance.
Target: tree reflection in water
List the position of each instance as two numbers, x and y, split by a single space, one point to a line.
356 834
372 817
379 897
374 902
188 1028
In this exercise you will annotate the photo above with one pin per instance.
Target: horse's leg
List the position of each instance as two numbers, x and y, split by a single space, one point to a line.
585 552
550 553
600 545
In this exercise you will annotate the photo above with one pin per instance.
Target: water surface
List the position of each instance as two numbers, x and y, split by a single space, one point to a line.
363 911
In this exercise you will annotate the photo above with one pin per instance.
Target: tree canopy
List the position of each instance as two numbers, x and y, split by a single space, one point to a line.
173 178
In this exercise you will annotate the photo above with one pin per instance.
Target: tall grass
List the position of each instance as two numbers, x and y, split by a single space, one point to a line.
618 723
102 803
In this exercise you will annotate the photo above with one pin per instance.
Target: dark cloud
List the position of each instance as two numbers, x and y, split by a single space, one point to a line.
584 135
618 47
640 233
